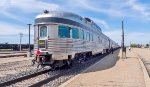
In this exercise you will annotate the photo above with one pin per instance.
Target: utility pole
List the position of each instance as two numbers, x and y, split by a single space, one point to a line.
29 37
123 47
29 51
21 35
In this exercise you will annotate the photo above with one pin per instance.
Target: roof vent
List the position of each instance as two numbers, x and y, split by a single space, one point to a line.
46 11
88 19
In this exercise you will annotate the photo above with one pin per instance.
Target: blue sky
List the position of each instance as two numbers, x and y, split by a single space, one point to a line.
108 14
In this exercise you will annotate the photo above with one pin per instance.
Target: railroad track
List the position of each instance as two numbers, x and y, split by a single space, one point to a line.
7 83
53 75
45 81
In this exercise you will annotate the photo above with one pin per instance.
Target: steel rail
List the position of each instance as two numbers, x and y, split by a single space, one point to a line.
7 83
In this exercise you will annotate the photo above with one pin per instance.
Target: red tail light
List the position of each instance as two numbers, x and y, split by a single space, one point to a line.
38 52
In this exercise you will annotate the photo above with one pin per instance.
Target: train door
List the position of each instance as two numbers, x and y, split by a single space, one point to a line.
43 37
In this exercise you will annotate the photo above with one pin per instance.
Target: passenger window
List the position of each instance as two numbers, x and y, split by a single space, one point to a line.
43 31
99 40
88 36
94 38
81 35
91 37
64 32
75 33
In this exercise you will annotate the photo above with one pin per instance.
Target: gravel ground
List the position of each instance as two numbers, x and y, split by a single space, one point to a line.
17 69
13 59
69 73
29 82
10 68
144 53
72 72
21 74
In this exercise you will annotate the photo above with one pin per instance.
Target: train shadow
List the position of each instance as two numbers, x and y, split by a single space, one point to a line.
107 62
104 63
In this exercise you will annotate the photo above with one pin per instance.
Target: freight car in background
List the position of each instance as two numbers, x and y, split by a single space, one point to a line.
62 37
15 47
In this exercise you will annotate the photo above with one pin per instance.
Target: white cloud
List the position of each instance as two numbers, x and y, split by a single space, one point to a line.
19 18
11 29
16 9
114 35
10 33
33 5
133 37
116 8
139 9
106 7
101 23
29 6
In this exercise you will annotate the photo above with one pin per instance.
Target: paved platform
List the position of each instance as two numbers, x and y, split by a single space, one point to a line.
111 71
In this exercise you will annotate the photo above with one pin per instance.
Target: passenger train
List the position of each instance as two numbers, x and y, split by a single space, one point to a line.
62 37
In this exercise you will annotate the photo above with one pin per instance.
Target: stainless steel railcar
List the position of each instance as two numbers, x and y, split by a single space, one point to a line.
60 37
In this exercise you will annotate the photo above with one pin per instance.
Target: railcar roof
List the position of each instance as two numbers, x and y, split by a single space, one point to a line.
68 15
58 14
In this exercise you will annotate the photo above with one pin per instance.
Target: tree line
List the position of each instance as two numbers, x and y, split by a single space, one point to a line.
140 45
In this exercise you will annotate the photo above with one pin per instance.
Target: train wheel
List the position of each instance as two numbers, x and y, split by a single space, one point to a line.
68 63
53 68
85 58
72 62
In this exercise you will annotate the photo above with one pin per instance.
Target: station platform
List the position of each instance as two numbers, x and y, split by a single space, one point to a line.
111 71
